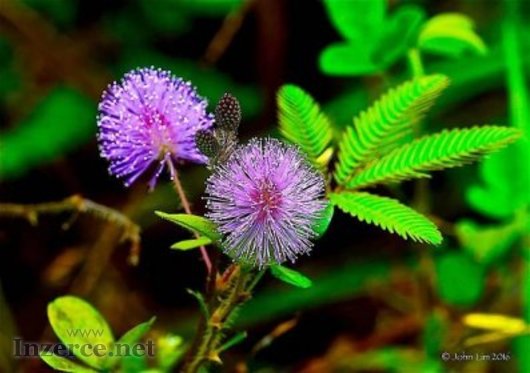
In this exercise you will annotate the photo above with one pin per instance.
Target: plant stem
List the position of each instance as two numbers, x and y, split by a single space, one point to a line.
186 205
230 293
415 62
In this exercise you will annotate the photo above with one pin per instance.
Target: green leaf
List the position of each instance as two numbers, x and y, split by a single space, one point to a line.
322 224
63 364
460 280
169 349
388 214
400 34
130 338
234 340
76 323
356 19
302 122
488 244
446 149
379 128
193 223
506 182
58 124
450 34
191 244
290 276
348 59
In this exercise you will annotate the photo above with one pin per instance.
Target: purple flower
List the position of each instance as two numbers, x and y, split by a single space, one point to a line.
148 121
265 200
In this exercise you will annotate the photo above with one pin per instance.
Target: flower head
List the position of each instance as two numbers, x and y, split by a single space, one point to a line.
265 200
150 118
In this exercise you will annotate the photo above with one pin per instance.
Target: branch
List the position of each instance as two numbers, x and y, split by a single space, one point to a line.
77 205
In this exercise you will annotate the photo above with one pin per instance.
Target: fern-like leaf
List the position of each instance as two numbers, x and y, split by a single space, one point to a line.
388 214
435 152
377 130
302 122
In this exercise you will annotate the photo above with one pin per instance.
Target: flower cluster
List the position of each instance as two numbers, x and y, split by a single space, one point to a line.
265 200
149 121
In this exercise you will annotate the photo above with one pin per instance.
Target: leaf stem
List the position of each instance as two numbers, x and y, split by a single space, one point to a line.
415 62
186 205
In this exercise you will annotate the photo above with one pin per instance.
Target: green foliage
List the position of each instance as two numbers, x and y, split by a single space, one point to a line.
169 349
355 19
388 214
191 244
76 323
193 223
460 280
450 34
505 182
434 334
234 340
59 123
290 276
131 337
443 150
63 364
488 244
321 225
380 127
374 40
506 175
302 122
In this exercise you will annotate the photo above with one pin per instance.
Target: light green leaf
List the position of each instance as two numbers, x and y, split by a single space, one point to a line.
130 338
63 364
356 19
488 244
322 224
400 34
378 129
506 182
193 223
169 349
388 214
325 158
191 244
350 59
136 333
460 280
76 323
290 276
446 149
450 34
302 122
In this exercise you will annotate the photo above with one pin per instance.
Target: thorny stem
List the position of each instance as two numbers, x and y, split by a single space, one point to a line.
231 291
186 205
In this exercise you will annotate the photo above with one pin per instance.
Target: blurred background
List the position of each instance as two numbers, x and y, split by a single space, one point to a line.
378 303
